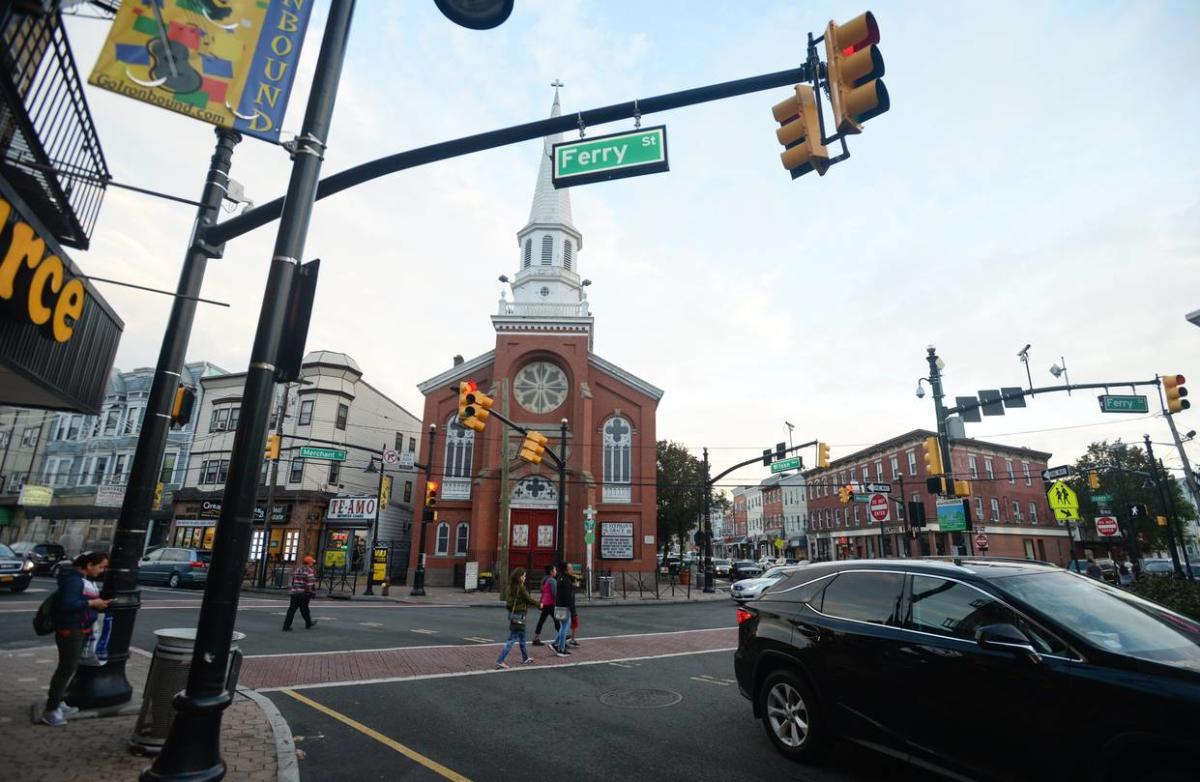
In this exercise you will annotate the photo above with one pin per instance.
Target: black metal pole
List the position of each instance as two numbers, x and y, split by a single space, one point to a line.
193 748
1158 477
375 531
1133 544
935 382
562 491
107 685
418 589
1175 523
264 560
708 563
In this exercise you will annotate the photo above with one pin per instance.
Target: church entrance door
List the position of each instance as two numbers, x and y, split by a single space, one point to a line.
531 545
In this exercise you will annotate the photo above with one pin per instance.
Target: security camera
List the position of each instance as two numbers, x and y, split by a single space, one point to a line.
1024 353
920 391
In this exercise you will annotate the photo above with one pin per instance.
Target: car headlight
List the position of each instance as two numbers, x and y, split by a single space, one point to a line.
28 565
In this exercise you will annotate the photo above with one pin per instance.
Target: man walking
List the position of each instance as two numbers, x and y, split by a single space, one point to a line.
304 586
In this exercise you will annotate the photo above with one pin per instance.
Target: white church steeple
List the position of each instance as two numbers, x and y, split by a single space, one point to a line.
547 291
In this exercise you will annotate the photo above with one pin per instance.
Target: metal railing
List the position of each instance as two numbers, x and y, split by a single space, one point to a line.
49 150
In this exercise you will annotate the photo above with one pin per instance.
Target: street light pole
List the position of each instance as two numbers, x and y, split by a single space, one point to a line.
709 588
192 752
418 589
264 555
562 491
375 525
1164 496
935 383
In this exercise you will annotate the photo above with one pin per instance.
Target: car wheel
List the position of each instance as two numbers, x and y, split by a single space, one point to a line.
792 716
20 587
174 581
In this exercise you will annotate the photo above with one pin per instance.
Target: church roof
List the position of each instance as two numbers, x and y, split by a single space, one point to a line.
549 204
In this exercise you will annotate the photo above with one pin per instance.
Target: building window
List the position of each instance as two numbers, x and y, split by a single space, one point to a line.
972 465
912 463
75 427
220 419
896 468
879 470
1025 472
296 474
306 408
995 509
235 414
527 256
567 258
987 467
837 517
540 387
855 513
547 250
167 472
101 467
618 447
408 491
223 471
443 539
256 544
111 419
1016 510
342 414
1033 512
29 437
208 471
291 544
460 448
412 445
1008 466
461 537
335 472
979 508
118 473
133 420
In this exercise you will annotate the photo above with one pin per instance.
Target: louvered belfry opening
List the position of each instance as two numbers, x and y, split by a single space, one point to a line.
49 150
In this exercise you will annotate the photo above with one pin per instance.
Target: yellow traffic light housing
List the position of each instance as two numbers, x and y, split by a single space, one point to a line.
431 492
853 67
1175 391
845 494
533 447
181 405
474 406
272 449
962 488
800 132
933 457
823 456
1093 479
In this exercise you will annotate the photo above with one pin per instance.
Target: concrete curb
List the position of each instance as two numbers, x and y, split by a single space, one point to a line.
435 600
285 747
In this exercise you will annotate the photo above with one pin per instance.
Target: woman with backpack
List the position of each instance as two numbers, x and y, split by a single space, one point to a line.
564 605
73 616
549 589
519 601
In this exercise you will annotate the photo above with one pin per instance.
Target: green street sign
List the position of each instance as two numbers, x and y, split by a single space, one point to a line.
786 464
589 537
1123 403
862 497
633 153
1101 498
329 454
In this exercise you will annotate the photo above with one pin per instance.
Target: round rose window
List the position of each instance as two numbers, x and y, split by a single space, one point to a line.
540 387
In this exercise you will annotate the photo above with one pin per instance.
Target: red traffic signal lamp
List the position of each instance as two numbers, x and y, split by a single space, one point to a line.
800 133
854 67
474 406
1175 391
431 492
533 447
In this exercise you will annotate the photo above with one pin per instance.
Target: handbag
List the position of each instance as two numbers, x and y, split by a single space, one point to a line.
516 619
561 613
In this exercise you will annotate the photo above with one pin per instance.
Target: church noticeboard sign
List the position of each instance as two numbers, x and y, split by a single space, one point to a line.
616 540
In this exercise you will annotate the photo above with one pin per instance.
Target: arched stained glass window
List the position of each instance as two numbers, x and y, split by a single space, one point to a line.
460 448
618 446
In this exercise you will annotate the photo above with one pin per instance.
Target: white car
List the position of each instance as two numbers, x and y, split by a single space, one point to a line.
750 588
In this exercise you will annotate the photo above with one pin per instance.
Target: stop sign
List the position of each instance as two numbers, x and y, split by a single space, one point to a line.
981 541
879 508
1107 526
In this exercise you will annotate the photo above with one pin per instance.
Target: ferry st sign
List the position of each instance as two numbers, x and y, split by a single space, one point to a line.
597 159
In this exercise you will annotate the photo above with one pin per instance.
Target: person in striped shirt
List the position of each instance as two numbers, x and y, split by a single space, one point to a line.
304 586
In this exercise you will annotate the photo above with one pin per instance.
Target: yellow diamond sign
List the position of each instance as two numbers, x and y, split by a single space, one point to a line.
1063 501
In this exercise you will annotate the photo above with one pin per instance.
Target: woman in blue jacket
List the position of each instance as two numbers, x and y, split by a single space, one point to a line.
73 617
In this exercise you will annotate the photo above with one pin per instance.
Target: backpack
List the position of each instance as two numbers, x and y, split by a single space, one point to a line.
43 620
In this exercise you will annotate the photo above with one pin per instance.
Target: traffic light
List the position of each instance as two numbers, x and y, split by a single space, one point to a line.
800 133
181 406
473 405
431 492
854 67
823 455
845 494
766 457
780 451
533 447
1093 479
962 488
933 457
272 449
937 485
158 492
1173 385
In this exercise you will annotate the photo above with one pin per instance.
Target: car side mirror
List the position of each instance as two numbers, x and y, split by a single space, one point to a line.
1006 637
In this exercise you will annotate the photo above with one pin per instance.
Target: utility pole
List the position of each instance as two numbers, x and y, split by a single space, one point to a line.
1118 449
375 526
709 588
935 383
107 685
192 751
1158 475
418 589
264 555
1189 478
561 459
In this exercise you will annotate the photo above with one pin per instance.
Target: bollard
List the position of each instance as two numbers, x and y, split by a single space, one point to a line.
168 675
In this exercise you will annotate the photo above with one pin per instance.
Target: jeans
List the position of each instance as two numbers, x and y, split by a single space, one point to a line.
299 600
514 636
560 640
70 646
547 613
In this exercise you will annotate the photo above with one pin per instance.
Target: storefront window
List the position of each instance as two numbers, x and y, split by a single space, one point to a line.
291 543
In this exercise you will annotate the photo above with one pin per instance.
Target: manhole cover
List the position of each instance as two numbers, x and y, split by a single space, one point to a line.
640 698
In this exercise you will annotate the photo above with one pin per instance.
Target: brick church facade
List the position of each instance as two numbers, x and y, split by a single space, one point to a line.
500 511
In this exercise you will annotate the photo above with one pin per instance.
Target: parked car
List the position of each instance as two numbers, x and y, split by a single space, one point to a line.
669 565
852 649
744 568
44 556
1158 567
174 566
1108 569
721 567
16 570
750 588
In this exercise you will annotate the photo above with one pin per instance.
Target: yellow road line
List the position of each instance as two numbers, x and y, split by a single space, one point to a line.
411 754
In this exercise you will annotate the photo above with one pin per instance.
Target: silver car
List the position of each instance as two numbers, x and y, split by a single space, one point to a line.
750 588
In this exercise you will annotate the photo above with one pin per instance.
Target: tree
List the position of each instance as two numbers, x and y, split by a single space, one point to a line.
680 498
1125 474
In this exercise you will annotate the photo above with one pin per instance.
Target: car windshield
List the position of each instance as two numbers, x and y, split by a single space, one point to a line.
5 551
776 572
1109 618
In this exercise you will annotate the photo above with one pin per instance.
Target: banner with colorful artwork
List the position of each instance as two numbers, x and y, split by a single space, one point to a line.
227 62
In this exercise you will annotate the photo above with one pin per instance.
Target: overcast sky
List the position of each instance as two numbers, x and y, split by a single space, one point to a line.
1034 182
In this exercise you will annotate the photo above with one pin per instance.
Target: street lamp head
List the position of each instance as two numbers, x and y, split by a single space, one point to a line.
920 390
1190 435
432 427
476 14
1056 370
503 278
1023 353
586 283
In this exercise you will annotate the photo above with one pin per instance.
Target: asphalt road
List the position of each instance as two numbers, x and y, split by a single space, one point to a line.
551 723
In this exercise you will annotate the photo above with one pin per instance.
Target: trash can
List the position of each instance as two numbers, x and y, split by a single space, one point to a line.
168 675
606 586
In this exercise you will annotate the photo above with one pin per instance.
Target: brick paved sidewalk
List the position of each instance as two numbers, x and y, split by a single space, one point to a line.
90 747
299 670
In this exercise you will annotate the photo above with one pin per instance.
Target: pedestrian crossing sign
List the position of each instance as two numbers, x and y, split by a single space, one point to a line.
1063 501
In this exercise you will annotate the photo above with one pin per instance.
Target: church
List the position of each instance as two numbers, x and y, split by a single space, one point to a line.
500 511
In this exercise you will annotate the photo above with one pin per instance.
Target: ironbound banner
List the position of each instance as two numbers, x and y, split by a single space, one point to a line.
229 63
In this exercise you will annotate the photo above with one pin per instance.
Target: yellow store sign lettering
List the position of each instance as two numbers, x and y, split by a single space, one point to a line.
35 286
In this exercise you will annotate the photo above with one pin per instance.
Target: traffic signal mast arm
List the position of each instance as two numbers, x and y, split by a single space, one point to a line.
492 413
757 460
1048 389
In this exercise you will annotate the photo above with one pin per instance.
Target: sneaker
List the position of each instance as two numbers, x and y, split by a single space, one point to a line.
560 652
572 642
310 625
527 661
68 711
54 718
538 642
287 629
501 665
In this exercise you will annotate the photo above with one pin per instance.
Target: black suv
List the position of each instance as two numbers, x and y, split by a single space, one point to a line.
44 556
978 668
